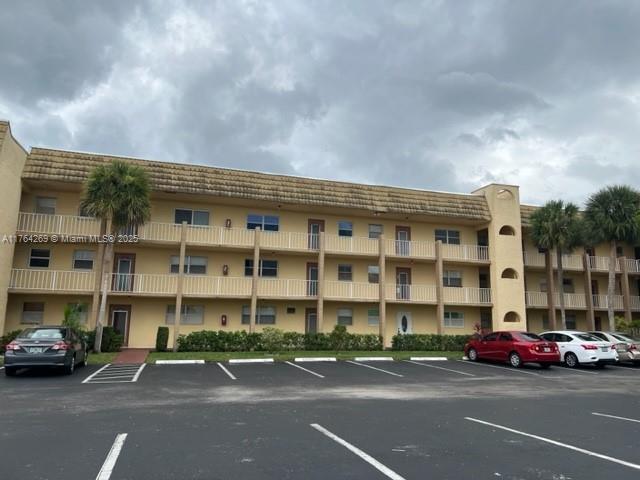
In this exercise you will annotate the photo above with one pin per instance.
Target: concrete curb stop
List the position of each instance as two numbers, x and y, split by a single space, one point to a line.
250 360
179 362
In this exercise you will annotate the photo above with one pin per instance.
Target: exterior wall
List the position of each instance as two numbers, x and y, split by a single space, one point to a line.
12 158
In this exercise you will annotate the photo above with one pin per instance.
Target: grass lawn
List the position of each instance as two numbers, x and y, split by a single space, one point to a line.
282 356
101 358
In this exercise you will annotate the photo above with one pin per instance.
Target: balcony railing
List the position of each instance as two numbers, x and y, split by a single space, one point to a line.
467 295
351 245
601 302
569 262
412 293
287 288
52 280
352 290
413 248
571 300
210 286
473 253
46 224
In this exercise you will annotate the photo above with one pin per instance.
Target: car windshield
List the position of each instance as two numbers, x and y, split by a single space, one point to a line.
44 333
529 337
587 337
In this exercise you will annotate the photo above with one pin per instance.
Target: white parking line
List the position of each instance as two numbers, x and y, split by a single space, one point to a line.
375 368
441 368
573 370
305 369
1 368
507 369
225 370
353 449
559 444
95 373
137 375
616 417
110 462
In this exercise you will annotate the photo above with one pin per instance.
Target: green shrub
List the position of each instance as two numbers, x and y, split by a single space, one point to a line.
338 338
8 338
162 339
272 339
111 341
429 342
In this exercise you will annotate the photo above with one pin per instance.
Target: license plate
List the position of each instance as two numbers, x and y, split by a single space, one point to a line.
35 349
546 349
605 349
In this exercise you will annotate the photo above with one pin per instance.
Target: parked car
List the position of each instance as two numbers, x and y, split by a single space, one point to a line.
578 348
51 346
517 348
626 347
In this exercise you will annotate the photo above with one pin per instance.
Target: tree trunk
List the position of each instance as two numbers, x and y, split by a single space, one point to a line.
563 316
611 288
551 307
106 277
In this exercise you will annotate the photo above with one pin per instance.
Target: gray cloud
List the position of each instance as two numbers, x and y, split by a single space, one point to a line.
435 95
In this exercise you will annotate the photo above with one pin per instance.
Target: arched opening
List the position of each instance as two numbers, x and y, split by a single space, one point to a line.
509 273
512 317
507 230
504 194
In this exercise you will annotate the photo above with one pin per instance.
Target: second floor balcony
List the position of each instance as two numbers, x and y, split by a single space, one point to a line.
575 262
578 301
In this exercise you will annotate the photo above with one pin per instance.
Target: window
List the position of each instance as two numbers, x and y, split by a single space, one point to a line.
507 230
545 321
509 273
452 278
190 315
373 317
266 268
32 313
345 316
345 229
46 205
39 258
192 217
492 337
511 317
543 285
192 265
374 273
619 251
375 230
454 319
505 337
81 310
83 259
345 273
264 315
448 236
567 285
571 321
268 223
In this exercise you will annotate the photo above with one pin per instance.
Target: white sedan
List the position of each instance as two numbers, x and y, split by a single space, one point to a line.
578 348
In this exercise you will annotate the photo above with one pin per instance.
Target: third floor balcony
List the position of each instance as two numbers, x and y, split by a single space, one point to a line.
575 262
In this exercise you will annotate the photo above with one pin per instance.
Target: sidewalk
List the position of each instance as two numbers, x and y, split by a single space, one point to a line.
132 355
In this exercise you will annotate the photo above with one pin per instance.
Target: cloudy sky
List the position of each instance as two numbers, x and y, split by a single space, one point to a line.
443 95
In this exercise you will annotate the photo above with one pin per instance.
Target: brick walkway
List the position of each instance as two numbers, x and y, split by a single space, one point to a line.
132 355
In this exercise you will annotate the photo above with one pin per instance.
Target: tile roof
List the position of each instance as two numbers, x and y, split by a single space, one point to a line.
64 166
525 214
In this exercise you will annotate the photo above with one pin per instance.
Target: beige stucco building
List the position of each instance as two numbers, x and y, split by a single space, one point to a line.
374 258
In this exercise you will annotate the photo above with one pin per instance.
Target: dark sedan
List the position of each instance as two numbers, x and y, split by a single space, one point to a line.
45 347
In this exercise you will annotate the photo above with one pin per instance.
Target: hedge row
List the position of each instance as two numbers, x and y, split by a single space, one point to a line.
429 342
275 340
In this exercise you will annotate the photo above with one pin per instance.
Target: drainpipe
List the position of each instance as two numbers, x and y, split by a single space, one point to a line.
178 315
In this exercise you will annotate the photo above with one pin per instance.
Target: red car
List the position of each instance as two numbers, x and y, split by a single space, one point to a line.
516 348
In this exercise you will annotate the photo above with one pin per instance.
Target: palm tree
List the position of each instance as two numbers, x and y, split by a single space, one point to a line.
613 215
118 193
557 225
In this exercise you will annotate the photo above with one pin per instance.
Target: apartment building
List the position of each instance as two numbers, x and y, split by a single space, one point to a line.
295 253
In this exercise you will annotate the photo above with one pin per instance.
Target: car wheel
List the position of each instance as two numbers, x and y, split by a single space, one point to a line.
515 360
10 371
545 366
472 355
69 369
571 360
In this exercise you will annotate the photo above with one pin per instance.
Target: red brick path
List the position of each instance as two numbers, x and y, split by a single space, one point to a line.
132 355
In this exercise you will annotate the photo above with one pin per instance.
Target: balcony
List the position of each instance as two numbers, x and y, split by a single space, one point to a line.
467 296
51 281
411 293
574 262
601 302
351 245
414 248
572 301
287 288
41 223
352 291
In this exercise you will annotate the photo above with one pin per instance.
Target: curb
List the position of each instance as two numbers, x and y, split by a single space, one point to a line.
374 359
429 359
314 359
179 362
250 360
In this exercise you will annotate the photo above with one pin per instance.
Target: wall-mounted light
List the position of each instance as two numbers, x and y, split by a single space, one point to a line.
225 270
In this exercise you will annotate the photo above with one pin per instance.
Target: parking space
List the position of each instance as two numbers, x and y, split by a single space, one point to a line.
399 420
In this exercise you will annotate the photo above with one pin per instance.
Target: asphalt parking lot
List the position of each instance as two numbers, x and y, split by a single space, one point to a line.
352 420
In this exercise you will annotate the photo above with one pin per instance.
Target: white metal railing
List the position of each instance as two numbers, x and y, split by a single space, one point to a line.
571 300
569 262
352 290
411 293
287 287
52 280
634 302
146 283
633 266
159 232
467 295
601 302
535 299
413 248
57 224
357 245
465 252
205 285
